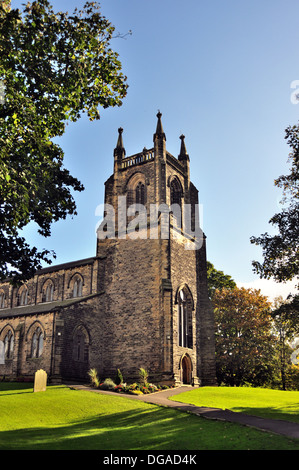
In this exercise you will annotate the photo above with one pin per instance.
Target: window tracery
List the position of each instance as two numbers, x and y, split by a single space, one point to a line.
37 343
8 345
185 338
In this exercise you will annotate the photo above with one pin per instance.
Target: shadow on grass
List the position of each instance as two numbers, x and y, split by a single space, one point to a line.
153 429
12 387
125 430
266 408
289 413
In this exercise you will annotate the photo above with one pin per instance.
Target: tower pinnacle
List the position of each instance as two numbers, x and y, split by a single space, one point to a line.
159 130
119 149
183 152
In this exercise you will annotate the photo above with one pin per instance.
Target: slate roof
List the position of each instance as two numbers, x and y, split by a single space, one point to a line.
44 307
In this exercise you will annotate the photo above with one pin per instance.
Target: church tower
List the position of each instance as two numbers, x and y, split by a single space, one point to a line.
157 311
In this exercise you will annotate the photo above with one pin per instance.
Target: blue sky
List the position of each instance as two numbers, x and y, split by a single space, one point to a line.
221 74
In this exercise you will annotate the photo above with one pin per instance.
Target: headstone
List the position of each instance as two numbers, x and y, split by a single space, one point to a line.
40 381
2 353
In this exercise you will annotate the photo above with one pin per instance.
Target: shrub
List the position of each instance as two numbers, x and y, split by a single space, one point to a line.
94 378
143 376
118 378
108 384
152 388
121 388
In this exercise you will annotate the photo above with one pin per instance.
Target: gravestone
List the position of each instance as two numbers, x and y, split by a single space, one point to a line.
40 381
2 353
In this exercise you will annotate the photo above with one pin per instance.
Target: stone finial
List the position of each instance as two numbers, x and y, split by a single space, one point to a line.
159 130
119 149
120 144
183 152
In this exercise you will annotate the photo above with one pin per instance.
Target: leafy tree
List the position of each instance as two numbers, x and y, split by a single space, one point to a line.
218 280
286 330
53 67
244 342
281 251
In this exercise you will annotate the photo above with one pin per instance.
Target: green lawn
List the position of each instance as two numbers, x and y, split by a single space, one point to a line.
274 404
62 418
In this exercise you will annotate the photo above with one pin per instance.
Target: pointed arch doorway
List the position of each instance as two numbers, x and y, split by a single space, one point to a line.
186 370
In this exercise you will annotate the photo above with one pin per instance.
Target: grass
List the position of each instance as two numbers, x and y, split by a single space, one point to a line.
273 404
66 419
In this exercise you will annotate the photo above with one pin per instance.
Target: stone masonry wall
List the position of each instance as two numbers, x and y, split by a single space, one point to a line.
133 306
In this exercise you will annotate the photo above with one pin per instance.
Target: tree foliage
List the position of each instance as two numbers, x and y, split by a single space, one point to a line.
244 342
54 67
286 330
281 251
218 280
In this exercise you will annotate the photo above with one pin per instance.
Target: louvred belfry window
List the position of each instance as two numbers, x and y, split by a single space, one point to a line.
176 199
140 194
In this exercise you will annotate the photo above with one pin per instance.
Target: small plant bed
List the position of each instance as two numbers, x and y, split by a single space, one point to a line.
138 389
143 387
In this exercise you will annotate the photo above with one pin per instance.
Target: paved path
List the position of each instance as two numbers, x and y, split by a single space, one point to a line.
276 426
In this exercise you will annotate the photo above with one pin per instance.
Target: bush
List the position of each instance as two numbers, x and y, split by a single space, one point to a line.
108 384
94 378
149 388
118 378
143 376
134 386
121 388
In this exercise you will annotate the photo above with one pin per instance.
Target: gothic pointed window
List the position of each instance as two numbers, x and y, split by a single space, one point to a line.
81 345
176 200
8 345
2 299
77 288
130 197
23 299
37 344
175 192
185 319
48 291
140 194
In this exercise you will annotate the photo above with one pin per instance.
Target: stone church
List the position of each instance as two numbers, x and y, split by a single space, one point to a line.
141 301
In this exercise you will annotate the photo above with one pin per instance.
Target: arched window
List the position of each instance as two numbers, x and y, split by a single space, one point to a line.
8 345
81 345
77 288
23 299
48 291
175 192
136 189
176 199
37 344
2 299
185 318
140 194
